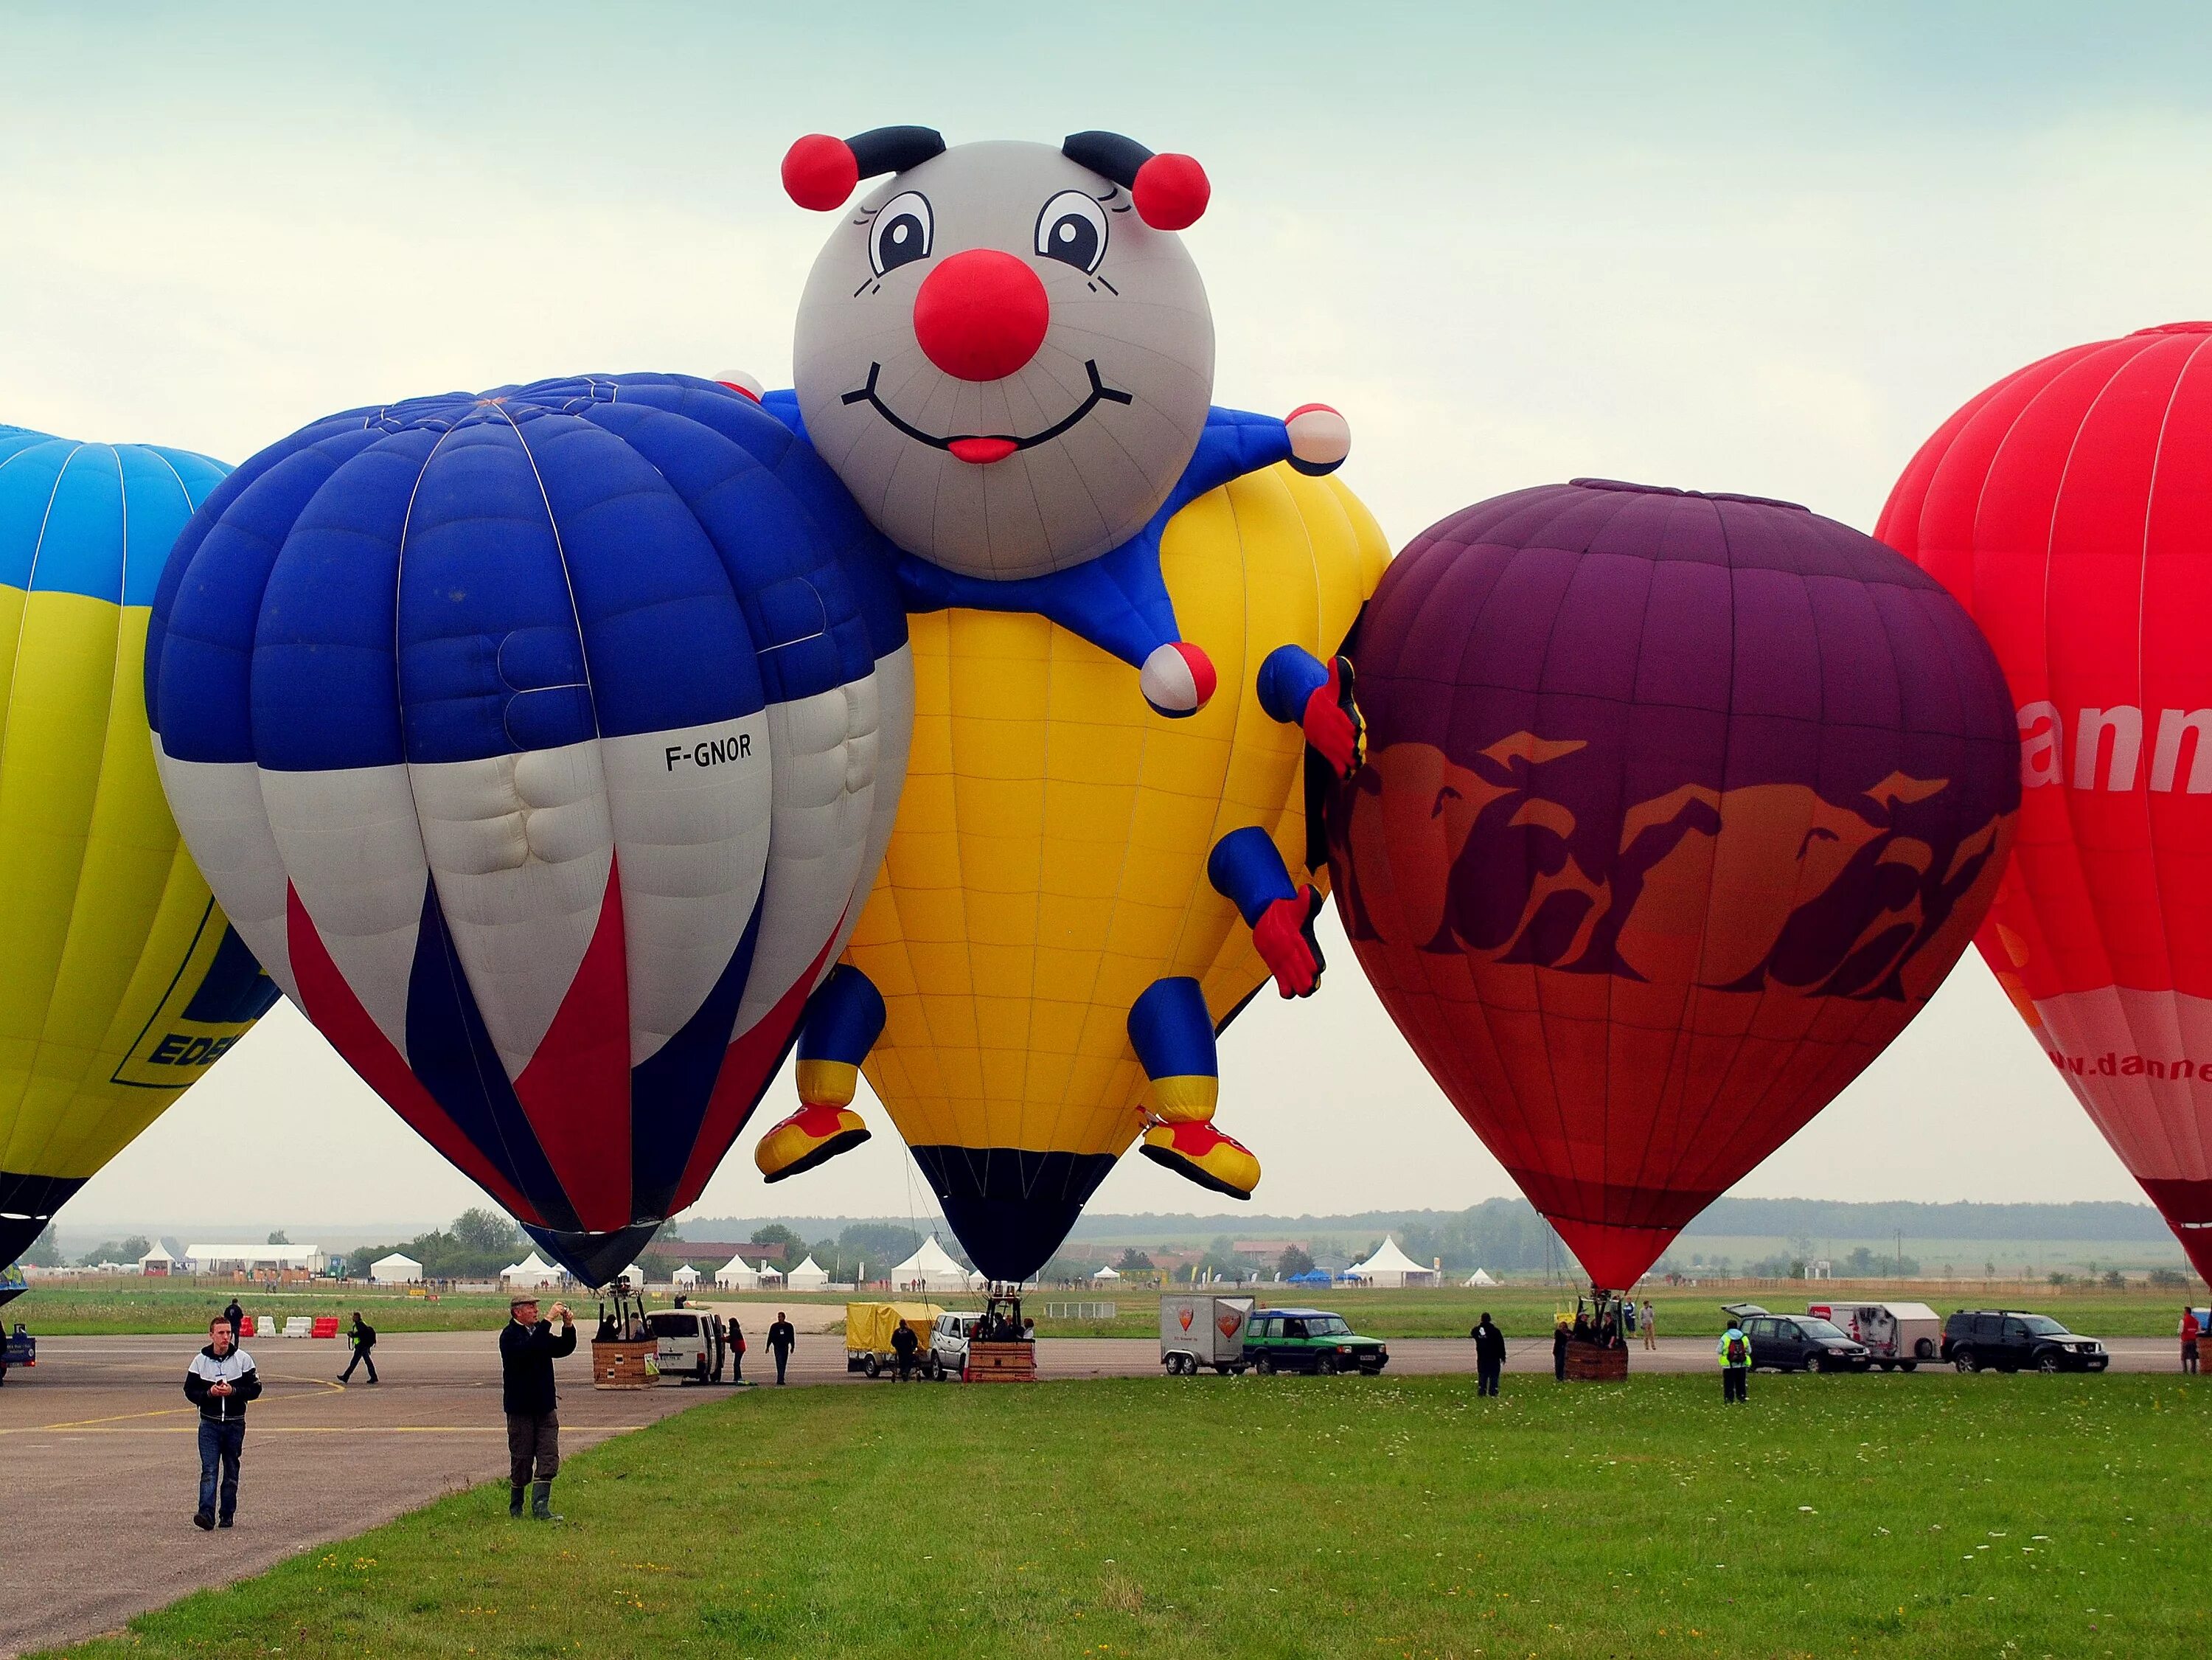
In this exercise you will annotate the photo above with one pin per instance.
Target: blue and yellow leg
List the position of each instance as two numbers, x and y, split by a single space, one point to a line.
1173 1035
1297 688
843 1021
1247 869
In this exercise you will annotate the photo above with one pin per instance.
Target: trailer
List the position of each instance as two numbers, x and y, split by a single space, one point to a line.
870 1327
1199 1331
1898 1334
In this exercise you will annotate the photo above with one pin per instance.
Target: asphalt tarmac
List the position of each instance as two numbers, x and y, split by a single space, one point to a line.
99 1470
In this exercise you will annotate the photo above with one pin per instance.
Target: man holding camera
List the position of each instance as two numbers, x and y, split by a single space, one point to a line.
527 1350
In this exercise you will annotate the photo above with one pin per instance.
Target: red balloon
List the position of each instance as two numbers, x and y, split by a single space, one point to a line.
1677 808
2069 509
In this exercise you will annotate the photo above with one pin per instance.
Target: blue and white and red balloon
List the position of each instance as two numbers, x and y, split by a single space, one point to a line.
542 744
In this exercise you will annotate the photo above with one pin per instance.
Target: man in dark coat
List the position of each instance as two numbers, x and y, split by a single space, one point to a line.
364 1340
904 1344
1489 1355
1559 1336
781 1340
236 1317
222 1383
527 1350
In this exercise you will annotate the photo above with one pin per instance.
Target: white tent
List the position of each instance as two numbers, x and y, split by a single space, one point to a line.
929 1268
1106 1273
533 1273
395 1270
769 1273
808 1276
161 1260
630 1278
737 1274
1390 1267
687 1276
1479 1277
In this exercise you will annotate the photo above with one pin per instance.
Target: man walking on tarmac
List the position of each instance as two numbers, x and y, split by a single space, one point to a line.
364 1340
1735 1365
781 1339
222 1383
1489 1355
527 1350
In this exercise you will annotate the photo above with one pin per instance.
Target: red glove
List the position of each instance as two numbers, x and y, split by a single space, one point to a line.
1333 722
1284 937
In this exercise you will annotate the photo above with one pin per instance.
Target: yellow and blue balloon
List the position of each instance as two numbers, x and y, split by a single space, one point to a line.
121 983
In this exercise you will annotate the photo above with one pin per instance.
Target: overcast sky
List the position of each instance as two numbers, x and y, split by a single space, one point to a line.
1735 252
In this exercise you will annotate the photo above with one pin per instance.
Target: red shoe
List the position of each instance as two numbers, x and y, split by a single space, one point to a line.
813 1135
1205 1156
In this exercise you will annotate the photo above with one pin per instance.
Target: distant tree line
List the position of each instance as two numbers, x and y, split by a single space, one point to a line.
476 1245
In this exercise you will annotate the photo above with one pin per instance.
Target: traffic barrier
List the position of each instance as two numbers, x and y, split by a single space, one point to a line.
326 1325
299 1325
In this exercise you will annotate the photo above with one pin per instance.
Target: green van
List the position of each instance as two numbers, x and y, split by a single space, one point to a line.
1309 1340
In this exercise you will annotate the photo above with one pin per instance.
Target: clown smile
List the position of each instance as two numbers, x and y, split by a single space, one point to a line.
981 449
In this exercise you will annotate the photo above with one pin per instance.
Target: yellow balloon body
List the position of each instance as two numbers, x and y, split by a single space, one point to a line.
1049 858
120 981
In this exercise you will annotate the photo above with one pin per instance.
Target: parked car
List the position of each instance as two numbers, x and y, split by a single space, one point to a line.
1309 1340
692 1345
2013 1340
948 1345
1203 1331
1901 1335
1797 1342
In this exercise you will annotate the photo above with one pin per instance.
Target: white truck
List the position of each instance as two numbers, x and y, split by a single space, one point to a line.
1897 1335
948 1346
692 1345
1203 1331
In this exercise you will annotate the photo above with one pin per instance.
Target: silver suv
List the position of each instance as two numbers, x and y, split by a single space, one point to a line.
948 1345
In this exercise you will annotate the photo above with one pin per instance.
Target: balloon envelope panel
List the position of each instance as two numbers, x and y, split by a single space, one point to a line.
2068 506
120 982
1677 808
1048 862
542 743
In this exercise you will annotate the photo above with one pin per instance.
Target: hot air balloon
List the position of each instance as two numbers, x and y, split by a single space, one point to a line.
1005 353
2068 506
542 744
120 982
1678 807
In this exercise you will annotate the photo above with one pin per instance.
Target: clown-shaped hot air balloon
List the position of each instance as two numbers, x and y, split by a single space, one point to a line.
2068 508
1678 807
121 983
1004 352
542 744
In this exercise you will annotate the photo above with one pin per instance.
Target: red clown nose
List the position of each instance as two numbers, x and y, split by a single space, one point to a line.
981 314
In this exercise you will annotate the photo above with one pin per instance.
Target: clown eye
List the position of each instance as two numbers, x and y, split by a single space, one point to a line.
1073 230
901 235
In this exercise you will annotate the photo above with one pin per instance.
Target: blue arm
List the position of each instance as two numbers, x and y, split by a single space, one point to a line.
1288 677
1235 443
1247 869
1117 601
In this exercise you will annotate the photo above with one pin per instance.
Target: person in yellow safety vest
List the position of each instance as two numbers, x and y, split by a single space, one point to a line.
1735 1364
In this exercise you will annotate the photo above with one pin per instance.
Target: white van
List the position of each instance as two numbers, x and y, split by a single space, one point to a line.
692 1344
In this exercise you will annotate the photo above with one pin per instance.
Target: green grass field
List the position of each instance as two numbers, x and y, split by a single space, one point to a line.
126 1304
1390 1518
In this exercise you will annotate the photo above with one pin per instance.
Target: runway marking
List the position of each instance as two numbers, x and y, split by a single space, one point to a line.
325 1384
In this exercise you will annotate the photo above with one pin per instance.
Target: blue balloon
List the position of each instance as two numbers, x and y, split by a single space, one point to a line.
543 745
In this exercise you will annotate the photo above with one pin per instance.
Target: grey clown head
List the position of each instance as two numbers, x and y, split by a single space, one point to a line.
1004 363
